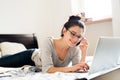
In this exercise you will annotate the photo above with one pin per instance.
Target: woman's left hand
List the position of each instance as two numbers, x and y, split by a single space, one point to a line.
83 44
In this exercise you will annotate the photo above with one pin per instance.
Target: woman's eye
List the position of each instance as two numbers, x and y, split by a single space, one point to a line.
73 34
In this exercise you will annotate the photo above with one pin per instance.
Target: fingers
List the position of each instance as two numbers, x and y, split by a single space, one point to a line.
84 67
84 42
81 66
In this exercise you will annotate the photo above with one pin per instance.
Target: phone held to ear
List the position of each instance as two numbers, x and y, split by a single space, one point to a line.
79 41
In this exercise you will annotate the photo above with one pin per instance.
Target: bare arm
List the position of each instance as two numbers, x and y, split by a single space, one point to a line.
59 69
83 47
65 69
83 56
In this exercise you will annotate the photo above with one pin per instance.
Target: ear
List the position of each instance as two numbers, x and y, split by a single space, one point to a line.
64 30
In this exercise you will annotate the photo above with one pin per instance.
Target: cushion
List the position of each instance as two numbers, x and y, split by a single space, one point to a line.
11 48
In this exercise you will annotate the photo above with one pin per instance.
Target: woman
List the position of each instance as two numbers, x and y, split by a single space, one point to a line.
56 54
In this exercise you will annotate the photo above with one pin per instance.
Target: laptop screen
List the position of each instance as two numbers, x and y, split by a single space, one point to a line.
106 54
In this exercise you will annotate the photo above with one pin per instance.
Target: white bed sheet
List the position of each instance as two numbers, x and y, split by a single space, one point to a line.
26 74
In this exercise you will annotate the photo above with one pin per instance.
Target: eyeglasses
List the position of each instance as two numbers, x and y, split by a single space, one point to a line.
73 34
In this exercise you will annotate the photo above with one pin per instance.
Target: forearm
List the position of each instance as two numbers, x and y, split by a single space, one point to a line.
83 47
83 56
60 69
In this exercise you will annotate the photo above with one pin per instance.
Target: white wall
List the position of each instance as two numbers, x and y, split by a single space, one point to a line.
43 17
77 6
94 31
116 17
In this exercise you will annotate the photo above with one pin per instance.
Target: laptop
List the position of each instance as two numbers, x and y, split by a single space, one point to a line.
106 55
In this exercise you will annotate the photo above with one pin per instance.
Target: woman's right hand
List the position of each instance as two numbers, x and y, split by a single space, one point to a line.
79 66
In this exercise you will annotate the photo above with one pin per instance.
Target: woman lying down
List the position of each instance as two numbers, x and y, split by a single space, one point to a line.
57 53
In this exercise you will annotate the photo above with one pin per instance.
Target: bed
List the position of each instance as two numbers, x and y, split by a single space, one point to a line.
29 40
24 73
13 43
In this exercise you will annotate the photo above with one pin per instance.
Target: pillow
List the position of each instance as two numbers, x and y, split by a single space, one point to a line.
11 48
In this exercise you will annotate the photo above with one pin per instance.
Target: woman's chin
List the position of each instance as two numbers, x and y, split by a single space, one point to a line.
72 45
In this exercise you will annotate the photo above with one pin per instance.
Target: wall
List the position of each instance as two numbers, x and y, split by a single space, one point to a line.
43 17
77 6
116 17
94 31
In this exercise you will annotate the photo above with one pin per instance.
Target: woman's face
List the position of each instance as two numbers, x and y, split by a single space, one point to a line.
73 35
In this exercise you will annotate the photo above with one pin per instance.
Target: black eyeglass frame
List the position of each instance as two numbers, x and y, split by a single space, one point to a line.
75 35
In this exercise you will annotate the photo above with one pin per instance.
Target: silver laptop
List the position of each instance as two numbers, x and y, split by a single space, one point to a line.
106 55
105 58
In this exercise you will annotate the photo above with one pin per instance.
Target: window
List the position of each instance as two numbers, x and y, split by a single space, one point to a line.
95 9
98 9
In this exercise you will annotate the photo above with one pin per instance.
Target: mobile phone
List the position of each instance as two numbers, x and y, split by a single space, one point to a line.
78 43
